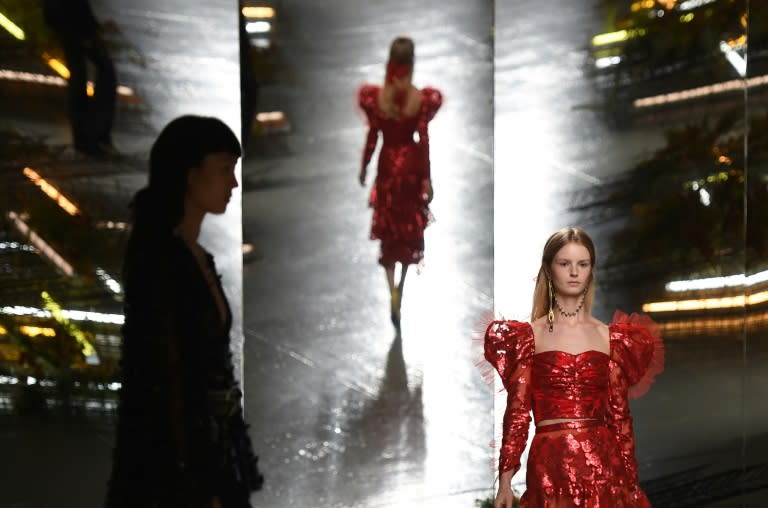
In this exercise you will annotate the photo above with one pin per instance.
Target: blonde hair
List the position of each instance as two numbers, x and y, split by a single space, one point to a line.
542 299
401 51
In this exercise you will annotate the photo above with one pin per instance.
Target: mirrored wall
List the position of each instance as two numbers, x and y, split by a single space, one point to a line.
641 122
64 216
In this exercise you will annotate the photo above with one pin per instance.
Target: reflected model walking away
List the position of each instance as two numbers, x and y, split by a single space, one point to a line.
181 438
402 190
576 374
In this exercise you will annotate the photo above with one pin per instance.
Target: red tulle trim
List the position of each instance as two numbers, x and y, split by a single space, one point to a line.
656 365
365 101
485 368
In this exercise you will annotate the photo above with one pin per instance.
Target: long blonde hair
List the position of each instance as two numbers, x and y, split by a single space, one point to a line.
542 299
399 65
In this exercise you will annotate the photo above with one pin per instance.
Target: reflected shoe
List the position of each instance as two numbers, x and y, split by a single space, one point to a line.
395 307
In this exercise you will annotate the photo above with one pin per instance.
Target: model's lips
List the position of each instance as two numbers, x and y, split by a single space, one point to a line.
574 283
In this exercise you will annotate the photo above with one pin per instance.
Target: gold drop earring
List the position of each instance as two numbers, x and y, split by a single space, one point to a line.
551 313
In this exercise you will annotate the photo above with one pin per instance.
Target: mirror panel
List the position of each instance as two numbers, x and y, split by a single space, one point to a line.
64 217
755 485
627 119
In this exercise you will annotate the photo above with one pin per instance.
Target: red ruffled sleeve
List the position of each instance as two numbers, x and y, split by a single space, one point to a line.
431 100
509 347
366 99
506 344
637 357
637 347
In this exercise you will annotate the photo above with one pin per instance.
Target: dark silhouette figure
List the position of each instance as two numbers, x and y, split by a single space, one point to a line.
90 118
249 87
181 438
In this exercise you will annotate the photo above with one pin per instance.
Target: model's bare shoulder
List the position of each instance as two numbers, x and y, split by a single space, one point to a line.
540 325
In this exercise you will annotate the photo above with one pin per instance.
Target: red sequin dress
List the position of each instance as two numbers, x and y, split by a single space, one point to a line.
399 194
575 464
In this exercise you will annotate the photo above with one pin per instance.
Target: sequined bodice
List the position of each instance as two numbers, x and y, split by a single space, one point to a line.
560 385
398 131
566 385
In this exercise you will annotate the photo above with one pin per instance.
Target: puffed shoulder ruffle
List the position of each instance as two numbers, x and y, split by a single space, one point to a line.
637 347
431 100
506 344
367 96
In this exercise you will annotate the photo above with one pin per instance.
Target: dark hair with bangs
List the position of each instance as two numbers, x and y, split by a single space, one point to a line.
182 145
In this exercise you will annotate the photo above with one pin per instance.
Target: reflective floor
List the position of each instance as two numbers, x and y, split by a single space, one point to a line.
343 411
348 413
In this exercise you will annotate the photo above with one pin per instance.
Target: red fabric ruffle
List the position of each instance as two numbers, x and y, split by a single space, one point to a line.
637 346
507 343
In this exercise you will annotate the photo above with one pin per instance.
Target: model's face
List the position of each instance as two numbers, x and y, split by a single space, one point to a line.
571 269
209 185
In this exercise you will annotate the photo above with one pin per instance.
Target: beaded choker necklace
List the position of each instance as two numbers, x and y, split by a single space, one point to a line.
570 314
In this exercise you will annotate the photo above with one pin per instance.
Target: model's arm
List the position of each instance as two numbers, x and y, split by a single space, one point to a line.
366 99
517 419
371 140
508 347
620 421
432 99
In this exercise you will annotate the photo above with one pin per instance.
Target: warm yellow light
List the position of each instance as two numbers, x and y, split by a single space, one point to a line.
3 331
642 4
52 192
610 38
726 302
31 77
692 326
34 331
55 309
89 89
259 12
41 244
59 67
737 42
703 91
125 90
12 27
270 116
687 18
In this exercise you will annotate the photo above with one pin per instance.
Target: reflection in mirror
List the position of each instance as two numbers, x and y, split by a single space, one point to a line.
756 349
352 414
65 182
627 118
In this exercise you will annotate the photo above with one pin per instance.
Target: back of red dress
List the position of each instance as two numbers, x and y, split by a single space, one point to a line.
399 195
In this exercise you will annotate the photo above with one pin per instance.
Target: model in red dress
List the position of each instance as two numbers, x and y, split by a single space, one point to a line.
576 375
403 188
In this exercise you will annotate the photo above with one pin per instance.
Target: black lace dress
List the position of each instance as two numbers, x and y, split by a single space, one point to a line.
181 439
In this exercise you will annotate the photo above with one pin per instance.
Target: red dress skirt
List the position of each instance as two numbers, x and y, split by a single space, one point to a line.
575 464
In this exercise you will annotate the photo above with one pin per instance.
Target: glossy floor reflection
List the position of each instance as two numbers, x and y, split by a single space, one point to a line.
351 415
